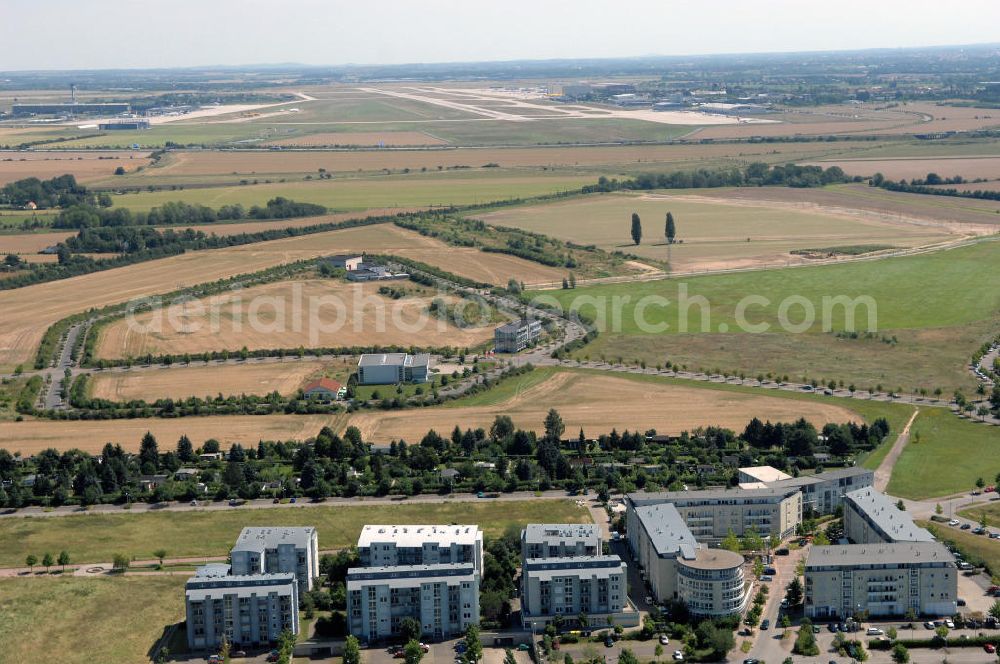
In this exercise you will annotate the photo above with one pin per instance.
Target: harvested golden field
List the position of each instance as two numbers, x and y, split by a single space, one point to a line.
909 168
85 166
962 214
29 311
237 228
30 243
288 314
366 138
33 436
584 401
200 381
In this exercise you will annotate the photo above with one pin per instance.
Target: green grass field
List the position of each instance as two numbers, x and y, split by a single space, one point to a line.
96 538
712 233
975 547
937 321
945 455
363 193
81 621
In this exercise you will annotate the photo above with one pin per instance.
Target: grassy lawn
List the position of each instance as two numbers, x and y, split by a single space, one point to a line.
945 455
936 323
978 549
505 390
96 538
991 510
79 621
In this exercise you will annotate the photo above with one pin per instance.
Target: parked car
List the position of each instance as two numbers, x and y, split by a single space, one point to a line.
960 601
609 642
816 629
664 640
990 648
875 631
766 578
240 653
523 647
965 526
949 624
678 656
953 522
765 623
781 552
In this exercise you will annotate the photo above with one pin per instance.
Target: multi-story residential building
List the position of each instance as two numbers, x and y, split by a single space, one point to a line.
444 598
594 585
385 546
880 580
269 550
560 540
517 335
821 493
711 514
871 517
249 610
676 567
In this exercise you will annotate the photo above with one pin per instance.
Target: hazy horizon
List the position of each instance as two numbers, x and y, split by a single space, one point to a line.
143 35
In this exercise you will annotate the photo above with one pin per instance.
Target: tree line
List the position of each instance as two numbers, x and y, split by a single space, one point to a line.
926 186
757 174
178 212
499 458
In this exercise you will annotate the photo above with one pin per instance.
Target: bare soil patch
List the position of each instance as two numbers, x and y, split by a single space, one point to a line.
85 166
909 168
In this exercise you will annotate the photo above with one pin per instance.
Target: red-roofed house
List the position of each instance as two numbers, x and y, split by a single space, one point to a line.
324 388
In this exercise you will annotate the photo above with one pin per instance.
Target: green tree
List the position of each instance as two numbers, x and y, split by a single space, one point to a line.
671 229
409 629
554 426
794 592
160 554
352 650
900 654
63 559
412 652
626 656
805 641
730 542
980 483
892 633
47 561
31 561
938 509
995 609
752 541
567 659
636 228
474 648
120 562
821 539
508 657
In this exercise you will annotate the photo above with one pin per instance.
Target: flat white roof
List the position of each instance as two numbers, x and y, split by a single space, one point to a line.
417 535
765 473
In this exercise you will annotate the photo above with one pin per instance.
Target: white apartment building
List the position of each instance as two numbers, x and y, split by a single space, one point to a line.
594 585
871 517
710 581
821 493
443 598
561 540
270 550
711 514
248 610
880 580
386 545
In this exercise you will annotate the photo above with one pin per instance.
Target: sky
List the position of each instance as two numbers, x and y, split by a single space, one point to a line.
101 34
